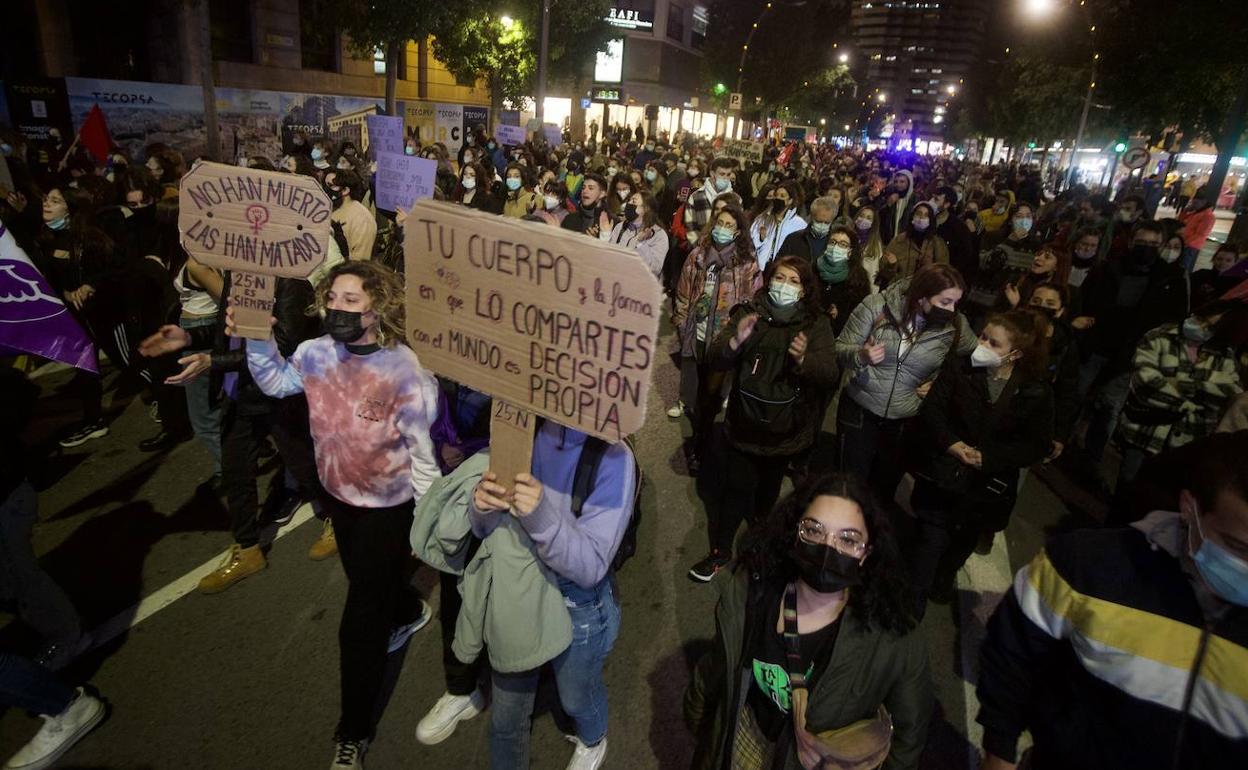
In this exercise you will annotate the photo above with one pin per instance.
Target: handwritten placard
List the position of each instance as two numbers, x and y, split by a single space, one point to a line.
254 221
403 179
546 319
742 150
385 134
510 135
554 136
511 441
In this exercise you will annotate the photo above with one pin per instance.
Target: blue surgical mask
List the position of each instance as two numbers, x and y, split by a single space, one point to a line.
409 150
513 183
820 229
1023 224
783 294
317 153
1225 573
60 223
1195 331
722 235
6 149
722 185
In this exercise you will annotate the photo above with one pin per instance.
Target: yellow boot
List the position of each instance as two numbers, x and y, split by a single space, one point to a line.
239 563
326 545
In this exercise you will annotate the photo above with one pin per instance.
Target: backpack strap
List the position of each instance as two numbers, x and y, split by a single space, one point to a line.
587 464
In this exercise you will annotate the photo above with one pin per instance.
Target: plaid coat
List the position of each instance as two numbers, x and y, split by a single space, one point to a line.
1173 400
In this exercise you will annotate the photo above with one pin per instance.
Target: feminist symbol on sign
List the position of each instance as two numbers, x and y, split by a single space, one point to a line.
257 215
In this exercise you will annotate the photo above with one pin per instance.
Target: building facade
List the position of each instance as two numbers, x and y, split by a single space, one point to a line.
917 54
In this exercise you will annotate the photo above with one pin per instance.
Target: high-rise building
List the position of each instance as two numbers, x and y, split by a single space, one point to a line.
917 54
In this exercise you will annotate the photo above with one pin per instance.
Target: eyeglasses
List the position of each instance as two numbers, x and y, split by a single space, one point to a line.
848 541
839 242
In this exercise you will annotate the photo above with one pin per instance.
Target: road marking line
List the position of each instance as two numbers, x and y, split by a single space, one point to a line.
163 597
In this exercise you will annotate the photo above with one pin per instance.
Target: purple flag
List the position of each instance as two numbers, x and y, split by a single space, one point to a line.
32 318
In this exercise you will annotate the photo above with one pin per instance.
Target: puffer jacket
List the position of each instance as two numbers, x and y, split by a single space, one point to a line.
888 389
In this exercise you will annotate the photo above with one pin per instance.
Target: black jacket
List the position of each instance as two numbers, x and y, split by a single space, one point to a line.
1121 603
581 219
961 244
1012 434
818 374
803 244
1064 377
292 298
1119 326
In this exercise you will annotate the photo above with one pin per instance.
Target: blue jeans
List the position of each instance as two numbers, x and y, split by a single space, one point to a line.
578 676
26 685
40 601
205 418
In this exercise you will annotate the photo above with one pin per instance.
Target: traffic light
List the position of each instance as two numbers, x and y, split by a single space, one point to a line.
1120 148
1031 145
720 89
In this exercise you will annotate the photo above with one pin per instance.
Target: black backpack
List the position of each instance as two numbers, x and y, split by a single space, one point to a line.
765 394
583 483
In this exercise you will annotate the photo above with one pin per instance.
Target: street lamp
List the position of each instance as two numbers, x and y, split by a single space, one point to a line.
843 58
507 21
882 97
1038 8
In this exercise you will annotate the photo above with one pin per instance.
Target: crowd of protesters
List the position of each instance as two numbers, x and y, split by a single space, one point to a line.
952 323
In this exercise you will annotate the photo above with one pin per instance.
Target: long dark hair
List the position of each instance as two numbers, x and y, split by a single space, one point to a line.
1029 333
858 281
883 598
927 283
745 244
916 236
812 287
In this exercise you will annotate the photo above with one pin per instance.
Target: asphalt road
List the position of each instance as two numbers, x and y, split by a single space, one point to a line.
249 678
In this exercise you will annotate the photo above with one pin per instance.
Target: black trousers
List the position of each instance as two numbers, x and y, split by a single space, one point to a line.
373 545
871 449
739 487
243 428
461 678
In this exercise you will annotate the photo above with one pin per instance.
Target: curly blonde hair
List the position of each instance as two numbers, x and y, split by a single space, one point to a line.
385 292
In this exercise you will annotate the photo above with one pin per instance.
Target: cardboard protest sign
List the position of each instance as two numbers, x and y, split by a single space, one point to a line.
402 179
258 224
742 150
511 135
385 134
554 137
544 319
511 440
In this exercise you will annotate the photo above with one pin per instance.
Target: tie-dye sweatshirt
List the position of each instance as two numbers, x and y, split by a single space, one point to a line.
370 416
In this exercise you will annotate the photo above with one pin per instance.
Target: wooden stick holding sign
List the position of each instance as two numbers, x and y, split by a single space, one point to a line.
252 297
511 442
259 225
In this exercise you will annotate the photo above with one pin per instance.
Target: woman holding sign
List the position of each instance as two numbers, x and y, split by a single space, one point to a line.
370 405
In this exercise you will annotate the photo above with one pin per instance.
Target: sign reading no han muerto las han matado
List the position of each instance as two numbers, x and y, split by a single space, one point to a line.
258 224
548 320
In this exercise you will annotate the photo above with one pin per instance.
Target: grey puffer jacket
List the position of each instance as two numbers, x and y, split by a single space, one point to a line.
887 389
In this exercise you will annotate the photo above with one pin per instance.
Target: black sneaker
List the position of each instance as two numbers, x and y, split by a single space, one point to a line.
704 570
164 441
85 433
348 754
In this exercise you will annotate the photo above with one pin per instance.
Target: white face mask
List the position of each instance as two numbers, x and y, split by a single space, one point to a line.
551 201
784 294
469 182
985 356
624 194
1170 255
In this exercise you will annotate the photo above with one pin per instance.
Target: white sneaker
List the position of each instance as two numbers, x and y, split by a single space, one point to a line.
449 711
676 410
588 757
59 733
348 755
400 635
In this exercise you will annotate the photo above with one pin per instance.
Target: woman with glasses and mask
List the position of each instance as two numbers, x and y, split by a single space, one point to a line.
844 279
813 635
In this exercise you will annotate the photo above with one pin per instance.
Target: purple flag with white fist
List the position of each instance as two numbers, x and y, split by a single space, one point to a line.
32 318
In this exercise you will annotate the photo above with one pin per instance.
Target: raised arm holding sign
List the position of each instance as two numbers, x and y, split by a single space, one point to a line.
259 224
544 320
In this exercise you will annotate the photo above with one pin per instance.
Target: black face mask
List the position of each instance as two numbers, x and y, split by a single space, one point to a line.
938 316
1142 255
1051 312
335 196
1082 263
344 326
630 212
777 205
824 568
